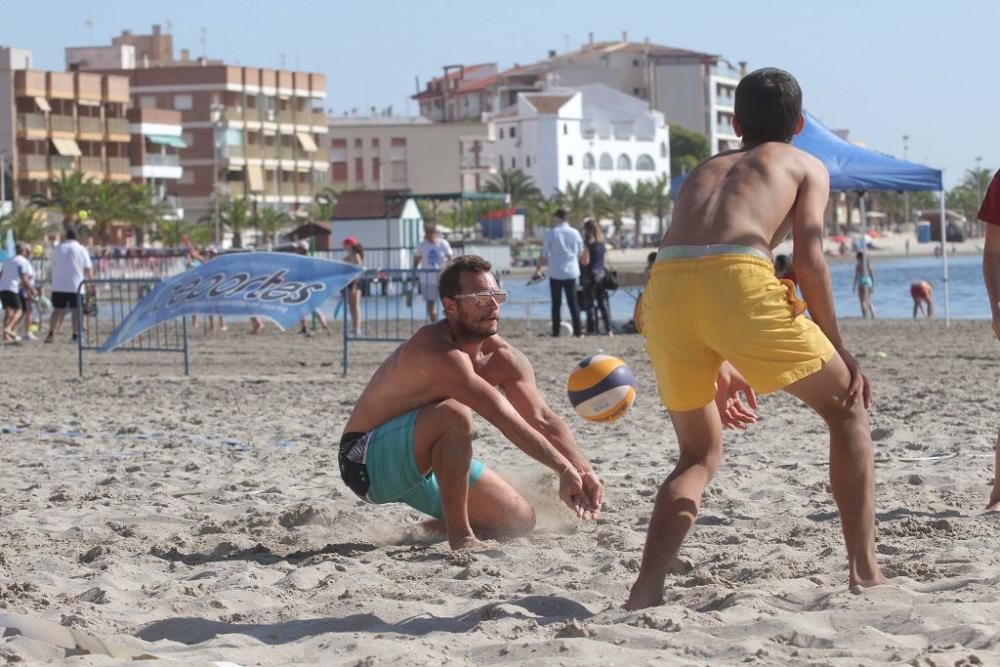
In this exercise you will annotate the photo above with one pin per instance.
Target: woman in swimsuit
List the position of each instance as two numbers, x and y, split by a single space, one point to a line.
864 284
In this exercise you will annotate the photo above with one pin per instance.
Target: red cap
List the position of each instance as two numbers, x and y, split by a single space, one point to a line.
351 241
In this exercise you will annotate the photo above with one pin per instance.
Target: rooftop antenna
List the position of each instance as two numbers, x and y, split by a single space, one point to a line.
90 30
204 42
281 59
170 25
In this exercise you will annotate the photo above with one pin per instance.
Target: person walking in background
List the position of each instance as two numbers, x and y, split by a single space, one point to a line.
989 213
923 298
354 253
70 266
433 253
864 284
784 270
16 278
564 252
592 274
302 248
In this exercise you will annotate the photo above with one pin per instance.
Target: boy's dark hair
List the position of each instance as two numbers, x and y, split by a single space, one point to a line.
768 105
448 283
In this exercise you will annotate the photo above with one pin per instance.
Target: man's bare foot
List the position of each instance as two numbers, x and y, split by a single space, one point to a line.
641 597
994 505
877 580
466 544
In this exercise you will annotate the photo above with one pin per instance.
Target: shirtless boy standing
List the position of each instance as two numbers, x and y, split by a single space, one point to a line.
409 437
712 299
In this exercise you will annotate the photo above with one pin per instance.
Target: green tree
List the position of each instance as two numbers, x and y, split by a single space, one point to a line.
27 224
143 209
640 202
107 206
323 204
270 220
659 201
575 198
71 193
237 215
523 191
687 149
616 204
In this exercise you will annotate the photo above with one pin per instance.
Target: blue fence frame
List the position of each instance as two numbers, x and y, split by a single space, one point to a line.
113 300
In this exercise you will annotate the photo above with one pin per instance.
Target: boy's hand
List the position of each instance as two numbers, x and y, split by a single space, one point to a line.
727 398
859 386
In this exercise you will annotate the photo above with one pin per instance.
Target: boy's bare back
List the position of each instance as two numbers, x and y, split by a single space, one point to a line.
749 197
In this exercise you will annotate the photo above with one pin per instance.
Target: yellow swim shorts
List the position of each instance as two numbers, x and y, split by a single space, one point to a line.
699 311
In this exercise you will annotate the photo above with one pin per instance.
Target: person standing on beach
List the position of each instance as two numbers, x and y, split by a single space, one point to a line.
70 266
564 252
989 213
16 277
864 283
592 279
923 298
409 436
712 300
433 253
354 253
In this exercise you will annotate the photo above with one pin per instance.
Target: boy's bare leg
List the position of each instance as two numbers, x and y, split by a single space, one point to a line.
442 442
699 434
852 466
994 504
496 509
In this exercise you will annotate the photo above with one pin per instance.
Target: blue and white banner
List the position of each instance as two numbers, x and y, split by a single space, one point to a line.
279 286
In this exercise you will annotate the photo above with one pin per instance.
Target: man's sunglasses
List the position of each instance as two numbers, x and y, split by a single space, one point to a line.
483 299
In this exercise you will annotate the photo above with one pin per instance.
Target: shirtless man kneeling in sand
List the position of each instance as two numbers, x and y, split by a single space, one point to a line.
712 300
409 437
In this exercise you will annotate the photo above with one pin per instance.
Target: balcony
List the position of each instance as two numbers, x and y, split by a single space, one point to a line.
92 165
318 119
253 151
231 114
154 160
725 129
118 129
33 163
728 101
59 163
233 152
286 117
235 189
31 124
64 124
286 153
288 189
91 126
118 166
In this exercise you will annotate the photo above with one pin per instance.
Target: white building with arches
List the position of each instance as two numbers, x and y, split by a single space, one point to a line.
586 134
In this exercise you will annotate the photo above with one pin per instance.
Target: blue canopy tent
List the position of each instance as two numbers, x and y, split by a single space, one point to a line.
856 169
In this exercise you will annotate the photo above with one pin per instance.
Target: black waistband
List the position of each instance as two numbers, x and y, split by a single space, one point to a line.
349 437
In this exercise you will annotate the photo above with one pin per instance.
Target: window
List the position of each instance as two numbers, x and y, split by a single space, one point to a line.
663 149
375 143
513 132
565 128
187 176
569 160
501 133
147 102
500 162
635 62
376 171
513 163
398 172
527 161
234 137
588 161
624 163
359 170
645 163
188 138
358 144
182 102
339 172
607 163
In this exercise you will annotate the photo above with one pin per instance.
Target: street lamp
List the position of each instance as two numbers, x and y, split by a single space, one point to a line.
906 195
217 120
588 133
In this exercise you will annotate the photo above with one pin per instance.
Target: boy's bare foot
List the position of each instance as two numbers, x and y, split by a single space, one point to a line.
466 543
994 505
641 597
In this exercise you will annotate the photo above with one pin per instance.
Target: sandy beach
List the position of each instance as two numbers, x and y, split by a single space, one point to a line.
203 519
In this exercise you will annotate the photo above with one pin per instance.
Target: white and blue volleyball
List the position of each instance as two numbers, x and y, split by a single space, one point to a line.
601 388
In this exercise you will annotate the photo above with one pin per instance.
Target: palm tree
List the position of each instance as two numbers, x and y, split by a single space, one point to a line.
237 215
70 193
269 220
107 205
616 204
323 204
26 223
575 198
143 209
522 189
641 201
659 201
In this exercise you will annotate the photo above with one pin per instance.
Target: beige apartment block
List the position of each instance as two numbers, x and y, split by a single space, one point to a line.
55 122
380 153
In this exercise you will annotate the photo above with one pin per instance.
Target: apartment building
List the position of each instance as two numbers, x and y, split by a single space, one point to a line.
248 132
155 150
692 89
588 134
386 152
54 122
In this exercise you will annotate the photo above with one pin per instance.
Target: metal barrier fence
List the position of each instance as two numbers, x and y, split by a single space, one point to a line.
104 303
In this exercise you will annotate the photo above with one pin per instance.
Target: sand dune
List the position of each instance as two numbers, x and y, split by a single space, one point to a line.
203 519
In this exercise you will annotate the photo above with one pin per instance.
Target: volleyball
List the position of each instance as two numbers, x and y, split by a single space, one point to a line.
601 388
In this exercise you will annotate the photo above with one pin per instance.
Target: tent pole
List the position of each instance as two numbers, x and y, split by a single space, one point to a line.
944 264
864 225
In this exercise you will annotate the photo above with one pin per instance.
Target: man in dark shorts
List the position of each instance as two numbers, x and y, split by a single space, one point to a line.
923 298
15 277
409 436
70 266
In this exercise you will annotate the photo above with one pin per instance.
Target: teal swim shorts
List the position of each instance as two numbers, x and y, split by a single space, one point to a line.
380 466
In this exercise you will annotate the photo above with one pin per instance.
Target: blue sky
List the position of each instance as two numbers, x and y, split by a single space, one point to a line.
881 68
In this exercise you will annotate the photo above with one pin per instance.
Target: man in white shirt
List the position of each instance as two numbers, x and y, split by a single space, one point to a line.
563 250
70 265
433 253
15 277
